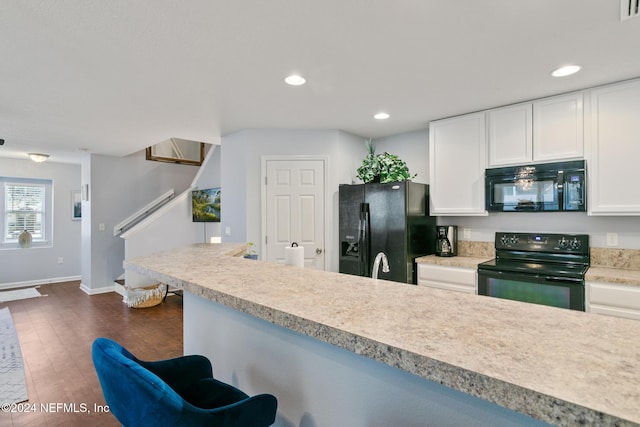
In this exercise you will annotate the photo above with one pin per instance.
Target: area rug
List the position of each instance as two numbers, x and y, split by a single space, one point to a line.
17 294
13 385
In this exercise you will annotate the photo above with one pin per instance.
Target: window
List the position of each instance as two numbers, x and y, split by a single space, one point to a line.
26 205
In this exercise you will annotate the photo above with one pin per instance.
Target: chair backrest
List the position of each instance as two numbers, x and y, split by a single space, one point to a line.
135 396
139 398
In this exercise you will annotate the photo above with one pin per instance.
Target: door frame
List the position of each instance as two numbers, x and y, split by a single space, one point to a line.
263 199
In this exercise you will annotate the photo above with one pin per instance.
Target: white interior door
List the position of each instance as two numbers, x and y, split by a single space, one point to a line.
295 209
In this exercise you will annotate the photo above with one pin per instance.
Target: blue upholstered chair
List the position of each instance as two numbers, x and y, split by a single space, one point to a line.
174 392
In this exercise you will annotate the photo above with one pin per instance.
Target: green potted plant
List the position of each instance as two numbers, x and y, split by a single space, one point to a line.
251 252
382 167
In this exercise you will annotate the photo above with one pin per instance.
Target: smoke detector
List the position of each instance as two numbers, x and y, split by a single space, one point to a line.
629 9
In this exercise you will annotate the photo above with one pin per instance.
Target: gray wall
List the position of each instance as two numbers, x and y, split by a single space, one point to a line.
22 267
118 187
242 183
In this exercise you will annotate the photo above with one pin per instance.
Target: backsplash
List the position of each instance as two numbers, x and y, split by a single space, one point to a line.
617 258
628 259
476 249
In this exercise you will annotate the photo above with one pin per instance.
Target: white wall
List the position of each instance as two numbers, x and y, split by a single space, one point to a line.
37 265
413 148
242 182
118 187
172 225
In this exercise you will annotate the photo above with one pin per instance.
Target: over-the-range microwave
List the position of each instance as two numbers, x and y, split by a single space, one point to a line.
547 187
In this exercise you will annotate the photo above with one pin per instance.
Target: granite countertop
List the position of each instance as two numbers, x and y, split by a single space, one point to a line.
560 366
454 261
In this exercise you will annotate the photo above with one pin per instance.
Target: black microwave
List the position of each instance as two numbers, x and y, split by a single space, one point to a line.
545 187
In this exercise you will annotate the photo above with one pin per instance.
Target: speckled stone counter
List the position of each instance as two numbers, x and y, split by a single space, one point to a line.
454 261
609 265
560 366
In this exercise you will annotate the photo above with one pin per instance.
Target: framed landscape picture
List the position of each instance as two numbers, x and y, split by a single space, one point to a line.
205 205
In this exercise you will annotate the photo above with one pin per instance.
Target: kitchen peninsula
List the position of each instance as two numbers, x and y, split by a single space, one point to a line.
446 354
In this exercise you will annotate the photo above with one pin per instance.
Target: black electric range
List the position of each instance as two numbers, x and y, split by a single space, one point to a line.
540 268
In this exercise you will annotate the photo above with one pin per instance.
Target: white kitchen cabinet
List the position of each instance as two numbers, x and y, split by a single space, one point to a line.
558 128
546 130
613 299
510 135
450 278
457 160
614 149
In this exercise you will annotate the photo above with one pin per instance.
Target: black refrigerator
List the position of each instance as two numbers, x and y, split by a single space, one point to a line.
392 218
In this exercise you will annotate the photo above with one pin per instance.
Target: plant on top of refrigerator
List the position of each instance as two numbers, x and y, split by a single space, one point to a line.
382 167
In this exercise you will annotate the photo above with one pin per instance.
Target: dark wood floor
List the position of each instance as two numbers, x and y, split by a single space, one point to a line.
56 333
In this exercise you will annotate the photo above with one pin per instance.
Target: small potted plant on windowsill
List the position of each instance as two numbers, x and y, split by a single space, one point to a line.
251 253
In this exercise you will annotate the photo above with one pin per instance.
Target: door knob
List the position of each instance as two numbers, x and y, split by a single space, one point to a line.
318 251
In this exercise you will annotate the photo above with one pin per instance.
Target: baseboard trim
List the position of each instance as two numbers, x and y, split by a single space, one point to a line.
96 291
29 283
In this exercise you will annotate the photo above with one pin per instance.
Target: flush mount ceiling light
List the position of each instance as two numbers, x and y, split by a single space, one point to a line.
381 116
567 70
295 80
38 157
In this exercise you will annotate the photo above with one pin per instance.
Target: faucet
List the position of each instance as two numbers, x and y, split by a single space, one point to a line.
376 265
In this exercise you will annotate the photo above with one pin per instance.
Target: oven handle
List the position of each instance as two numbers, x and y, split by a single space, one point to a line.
561 279
493 273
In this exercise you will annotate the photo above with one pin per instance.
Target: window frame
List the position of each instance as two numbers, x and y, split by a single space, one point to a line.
47 211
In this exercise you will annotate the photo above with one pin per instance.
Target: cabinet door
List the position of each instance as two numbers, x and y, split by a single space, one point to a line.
558 128
457 161
510 135
614 299
614 150
450 278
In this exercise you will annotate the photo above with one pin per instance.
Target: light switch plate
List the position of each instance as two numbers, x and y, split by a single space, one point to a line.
612 239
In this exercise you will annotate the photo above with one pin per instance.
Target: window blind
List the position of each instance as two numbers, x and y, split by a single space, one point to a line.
24 210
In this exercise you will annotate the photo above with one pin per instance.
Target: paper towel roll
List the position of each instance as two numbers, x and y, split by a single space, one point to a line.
294 255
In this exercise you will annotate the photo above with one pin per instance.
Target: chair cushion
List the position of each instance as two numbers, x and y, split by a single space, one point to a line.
210 393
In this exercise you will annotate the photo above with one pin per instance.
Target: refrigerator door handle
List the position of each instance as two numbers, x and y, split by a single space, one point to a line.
363 240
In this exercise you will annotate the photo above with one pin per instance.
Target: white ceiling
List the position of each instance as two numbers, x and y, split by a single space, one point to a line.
113 77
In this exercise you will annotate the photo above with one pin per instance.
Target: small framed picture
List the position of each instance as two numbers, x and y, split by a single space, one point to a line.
76 205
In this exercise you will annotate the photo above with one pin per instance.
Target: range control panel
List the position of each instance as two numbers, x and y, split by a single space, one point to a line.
543 242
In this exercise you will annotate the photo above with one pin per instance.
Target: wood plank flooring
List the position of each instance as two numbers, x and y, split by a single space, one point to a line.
56 333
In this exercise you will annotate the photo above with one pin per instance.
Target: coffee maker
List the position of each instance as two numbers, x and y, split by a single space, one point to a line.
446 240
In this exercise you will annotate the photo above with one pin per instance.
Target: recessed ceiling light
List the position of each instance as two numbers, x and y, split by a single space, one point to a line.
38 157
381 116
295 80
567 70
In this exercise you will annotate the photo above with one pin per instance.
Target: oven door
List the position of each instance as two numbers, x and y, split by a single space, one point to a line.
560 292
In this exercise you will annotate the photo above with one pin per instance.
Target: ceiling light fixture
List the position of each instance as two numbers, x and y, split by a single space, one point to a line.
381 116
567 70
38 157
295 80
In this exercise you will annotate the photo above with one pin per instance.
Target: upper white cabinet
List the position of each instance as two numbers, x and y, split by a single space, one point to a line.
510 135
457 160
558 128
546 130
614 149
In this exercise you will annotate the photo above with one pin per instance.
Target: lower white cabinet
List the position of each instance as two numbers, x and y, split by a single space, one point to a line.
613 299
450 278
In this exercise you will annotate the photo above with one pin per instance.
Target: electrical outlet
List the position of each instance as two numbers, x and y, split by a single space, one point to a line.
60 260
612 239
101 227
227 231
466 233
